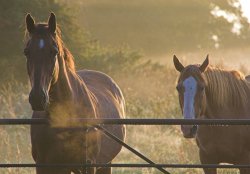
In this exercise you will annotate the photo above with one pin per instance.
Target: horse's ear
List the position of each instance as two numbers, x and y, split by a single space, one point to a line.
178 66
204 65
52 23
30 23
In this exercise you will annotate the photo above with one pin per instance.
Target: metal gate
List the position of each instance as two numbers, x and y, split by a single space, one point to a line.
97 123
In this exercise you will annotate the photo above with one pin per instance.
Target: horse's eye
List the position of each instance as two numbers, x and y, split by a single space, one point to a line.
201 88
26 52
179 87
54 51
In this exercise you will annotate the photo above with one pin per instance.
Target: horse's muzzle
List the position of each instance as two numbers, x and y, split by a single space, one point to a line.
38 100
189 131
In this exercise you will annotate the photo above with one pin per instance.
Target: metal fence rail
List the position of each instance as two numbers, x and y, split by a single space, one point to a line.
90 121
98 122
222 166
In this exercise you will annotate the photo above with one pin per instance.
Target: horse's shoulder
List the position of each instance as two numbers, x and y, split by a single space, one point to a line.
100 80
102 87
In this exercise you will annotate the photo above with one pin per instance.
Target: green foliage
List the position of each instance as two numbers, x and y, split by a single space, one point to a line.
12 25
109 60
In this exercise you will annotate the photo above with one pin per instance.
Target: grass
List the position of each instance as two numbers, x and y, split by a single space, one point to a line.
15 140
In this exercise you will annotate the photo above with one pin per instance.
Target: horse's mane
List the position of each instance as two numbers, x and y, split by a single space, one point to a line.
226 88
63 50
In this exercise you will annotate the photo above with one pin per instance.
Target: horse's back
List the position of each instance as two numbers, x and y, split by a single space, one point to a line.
109 103
107 95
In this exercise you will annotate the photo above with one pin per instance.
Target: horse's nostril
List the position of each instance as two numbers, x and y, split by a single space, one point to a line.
43 96
189 131
31 97
194 129
38 99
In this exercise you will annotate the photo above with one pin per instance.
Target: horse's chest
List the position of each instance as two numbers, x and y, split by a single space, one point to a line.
65 145
226 140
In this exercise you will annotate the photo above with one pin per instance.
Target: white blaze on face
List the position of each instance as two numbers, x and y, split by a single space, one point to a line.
41 43
190 85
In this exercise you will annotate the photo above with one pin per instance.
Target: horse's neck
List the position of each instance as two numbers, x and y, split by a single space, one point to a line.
213 111
70 94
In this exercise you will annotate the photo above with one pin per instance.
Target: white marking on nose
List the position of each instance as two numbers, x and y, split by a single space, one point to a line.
41 43
190 85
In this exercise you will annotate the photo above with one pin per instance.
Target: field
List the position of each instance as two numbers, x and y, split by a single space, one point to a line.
149 94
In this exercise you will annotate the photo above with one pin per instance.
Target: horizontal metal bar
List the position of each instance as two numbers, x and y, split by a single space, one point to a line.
222 166
23 121
91 121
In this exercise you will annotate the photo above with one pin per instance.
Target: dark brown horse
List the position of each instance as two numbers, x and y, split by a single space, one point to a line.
206 92
59 93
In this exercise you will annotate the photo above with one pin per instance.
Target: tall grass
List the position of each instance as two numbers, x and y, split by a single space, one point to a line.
15 140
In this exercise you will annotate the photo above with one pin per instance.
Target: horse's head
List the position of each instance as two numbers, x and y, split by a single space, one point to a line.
191 89
42 65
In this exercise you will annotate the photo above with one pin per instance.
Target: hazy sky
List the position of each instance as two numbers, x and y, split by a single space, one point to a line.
246 8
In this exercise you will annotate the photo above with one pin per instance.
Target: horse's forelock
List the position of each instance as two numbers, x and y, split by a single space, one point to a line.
191 70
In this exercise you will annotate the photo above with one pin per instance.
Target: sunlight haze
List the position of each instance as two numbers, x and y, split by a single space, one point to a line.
246 8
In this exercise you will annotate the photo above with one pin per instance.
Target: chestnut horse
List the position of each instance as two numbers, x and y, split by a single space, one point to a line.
59 93
206 92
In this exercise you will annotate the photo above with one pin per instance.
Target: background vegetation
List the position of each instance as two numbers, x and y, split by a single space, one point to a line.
133 42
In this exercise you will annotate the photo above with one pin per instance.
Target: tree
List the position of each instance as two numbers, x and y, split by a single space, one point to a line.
12 26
